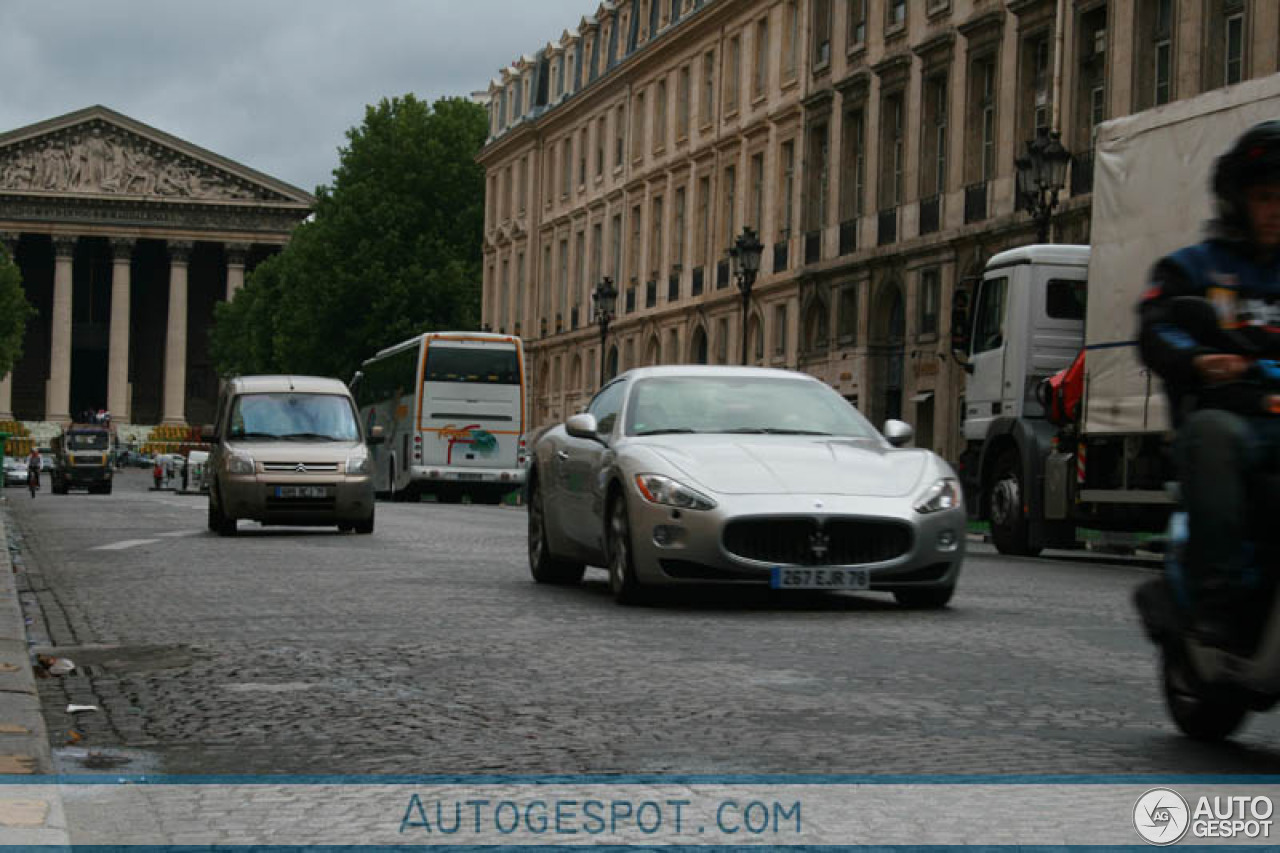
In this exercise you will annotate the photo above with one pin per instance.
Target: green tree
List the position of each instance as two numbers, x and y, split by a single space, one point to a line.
394 248
14 313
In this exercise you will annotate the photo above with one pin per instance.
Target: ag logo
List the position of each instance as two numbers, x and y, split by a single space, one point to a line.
1161 816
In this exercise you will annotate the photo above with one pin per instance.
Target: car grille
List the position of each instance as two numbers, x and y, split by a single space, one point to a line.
306 467
817 541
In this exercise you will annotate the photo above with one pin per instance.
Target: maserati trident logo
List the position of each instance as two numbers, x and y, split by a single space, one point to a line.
819 544
300 468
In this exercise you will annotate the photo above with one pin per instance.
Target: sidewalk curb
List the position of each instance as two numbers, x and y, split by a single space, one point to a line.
29 814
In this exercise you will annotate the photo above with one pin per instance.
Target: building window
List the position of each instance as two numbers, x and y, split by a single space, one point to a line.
703 233
787 185
760 76
1042 82
545 284
930 288
660 116
982 128
780 329
504 293
522 183
757 192
582 158
821 34
597 252
853 166
933 180
1091 80
857 23
847 316
634 249
722 341
566 166
557 81
708 87
563 279
615 238
655 242
637 127
732 75
729 190
896 14
817 178
791 39
892 143
601 130
579 269
619 136
1163 50
682 104
1154 46
1234 67
677 236
519 294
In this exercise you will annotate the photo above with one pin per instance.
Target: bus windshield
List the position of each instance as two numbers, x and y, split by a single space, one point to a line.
472 364
87 441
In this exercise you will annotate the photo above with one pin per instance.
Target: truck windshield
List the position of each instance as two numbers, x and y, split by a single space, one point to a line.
87 441
293 416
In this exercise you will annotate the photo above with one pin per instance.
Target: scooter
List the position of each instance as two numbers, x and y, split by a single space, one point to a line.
1212 682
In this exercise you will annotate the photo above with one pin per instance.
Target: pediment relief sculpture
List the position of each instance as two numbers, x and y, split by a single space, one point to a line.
97 158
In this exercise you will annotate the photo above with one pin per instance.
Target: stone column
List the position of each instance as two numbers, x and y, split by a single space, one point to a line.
9 241
58 400
118 358
236 254
175 339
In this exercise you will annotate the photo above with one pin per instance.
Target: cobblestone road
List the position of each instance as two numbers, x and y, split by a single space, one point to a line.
426 648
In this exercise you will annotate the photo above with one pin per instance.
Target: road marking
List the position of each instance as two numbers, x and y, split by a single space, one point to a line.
173 534
127 543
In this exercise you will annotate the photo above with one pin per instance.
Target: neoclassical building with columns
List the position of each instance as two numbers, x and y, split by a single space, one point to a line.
127 237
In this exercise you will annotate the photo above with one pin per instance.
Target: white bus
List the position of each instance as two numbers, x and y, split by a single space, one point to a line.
451 406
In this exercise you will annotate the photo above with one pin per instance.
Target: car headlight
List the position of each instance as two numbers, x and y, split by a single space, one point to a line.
358 464
240 463
944 494
657 489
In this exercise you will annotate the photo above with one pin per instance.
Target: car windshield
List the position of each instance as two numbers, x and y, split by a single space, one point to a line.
87 441
293 416
741 404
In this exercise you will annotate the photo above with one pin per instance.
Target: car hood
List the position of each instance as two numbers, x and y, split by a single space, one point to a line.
752 465
296 451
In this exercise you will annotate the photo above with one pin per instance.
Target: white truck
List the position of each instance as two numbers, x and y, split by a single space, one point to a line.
1042 484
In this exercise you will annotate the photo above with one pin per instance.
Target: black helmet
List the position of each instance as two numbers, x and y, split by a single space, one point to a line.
1254 158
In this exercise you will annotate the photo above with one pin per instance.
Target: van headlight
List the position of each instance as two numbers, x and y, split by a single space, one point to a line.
658 489
240 463
358 463
944 494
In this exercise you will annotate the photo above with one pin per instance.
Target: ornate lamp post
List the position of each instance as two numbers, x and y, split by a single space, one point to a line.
744 258
1042 174
605 297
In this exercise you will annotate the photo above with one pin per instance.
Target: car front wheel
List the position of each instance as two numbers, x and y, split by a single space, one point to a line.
219 523
622 570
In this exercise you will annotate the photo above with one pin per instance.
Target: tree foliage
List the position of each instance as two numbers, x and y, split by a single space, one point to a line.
393 250
14 313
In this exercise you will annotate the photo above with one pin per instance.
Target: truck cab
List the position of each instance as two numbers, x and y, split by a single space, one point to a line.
82 459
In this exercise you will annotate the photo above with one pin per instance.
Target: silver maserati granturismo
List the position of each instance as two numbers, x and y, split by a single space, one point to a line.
695 474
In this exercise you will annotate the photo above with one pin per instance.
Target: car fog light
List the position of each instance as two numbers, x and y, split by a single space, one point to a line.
666 534
947 540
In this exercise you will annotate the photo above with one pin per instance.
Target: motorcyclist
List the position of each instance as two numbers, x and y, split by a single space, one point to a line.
1215 363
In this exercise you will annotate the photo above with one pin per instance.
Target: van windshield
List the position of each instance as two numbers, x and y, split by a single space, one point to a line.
293 416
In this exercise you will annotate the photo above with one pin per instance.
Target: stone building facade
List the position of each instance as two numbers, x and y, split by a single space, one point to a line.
127 237
871 143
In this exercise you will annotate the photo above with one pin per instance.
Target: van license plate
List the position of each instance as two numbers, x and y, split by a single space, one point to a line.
302 492
465 476
819 578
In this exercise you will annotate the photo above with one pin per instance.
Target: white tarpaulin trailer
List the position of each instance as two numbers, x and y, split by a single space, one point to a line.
1151 196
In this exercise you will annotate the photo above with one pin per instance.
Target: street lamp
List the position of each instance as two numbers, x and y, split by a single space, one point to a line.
744 258
605 297
1041 175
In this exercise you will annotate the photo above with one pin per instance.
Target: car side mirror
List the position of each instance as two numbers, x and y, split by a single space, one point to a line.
898 433
208 433
376 435
583 426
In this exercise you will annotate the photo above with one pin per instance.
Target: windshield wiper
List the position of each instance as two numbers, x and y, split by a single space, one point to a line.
668 431
780 431
309 436
245 435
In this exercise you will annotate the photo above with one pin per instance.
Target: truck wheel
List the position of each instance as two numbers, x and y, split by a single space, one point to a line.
1005 499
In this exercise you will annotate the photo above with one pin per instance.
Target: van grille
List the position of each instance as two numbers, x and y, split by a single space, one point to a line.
300 467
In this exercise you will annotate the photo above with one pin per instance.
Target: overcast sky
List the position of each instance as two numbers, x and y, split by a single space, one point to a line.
272 84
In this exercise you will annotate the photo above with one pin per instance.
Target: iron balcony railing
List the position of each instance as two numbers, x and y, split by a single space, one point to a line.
780 256
848 237
930 214
673 287
650 293
975 202
887 227
697 281
722 274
